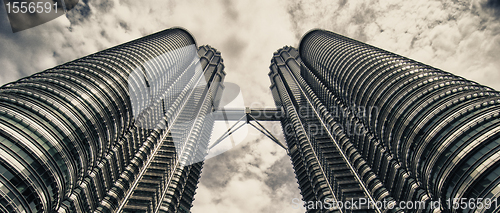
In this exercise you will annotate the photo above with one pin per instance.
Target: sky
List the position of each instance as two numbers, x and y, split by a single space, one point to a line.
458 36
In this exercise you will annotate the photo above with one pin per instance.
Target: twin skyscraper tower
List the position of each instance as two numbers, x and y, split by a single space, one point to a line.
127 129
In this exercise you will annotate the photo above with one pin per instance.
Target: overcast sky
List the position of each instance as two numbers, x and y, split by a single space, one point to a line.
462 37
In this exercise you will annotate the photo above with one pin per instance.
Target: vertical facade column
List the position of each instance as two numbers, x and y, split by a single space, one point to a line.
316 140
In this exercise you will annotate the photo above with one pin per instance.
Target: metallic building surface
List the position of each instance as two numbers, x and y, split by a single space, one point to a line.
124 129
406 131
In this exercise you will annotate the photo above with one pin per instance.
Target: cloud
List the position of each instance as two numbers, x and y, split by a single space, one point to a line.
230 10
234 46
254 177
492 6
457 36
28 51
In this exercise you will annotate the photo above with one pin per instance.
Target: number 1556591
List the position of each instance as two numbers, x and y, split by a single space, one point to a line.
31 7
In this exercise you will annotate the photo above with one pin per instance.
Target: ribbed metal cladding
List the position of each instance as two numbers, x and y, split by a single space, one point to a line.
327 165
79 136
169 181
426 134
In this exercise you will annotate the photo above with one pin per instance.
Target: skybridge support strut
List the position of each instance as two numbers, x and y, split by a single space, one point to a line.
248 116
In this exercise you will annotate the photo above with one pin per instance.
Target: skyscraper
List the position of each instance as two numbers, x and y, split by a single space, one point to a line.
365 124
127 129
124 129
